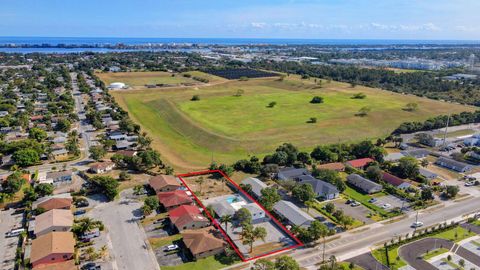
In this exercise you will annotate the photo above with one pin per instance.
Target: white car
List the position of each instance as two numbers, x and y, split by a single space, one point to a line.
387 205
171 247
417 224
470 183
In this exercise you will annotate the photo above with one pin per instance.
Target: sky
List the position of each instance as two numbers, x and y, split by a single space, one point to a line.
306 19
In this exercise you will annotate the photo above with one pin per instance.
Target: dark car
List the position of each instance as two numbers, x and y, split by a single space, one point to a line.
91 266
79 212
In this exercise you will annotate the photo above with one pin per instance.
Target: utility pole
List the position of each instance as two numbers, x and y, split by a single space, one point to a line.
445 133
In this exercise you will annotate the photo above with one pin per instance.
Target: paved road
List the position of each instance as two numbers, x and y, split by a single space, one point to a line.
368 262
8 221
128 240
350 244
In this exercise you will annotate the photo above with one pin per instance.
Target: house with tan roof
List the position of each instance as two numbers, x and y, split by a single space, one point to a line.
66 265
163 183
61 201
203 243
55 220
102 167
52 248
335 166
187 217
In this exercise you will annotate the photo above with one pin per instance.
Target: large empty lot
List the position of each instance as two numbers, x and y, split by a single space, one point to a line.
228 127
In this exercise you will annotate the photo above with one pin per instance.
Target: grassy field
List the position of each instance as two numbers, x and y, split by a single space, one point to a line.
225 128
210 263
139 79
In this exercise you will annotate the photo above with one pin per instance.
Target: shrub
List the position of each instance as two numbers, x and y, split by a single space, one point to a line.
195 98
316 99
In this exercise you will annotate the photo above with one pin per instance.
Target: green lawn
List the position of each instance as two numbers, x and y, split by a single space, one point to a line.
395 260
227 128
209 263
346 266
139 79
456 234
159 242
434 253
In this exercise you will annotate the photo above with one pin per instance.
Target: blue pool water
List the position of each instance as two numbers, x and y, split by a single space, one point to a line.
231 199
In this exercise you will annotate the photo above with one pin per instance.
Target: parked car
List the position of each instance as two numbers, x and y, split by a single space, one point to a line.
417 224
79 212
159 221
470 183
387 205
354 204
349 201
372 200
171 247
14 232
91 266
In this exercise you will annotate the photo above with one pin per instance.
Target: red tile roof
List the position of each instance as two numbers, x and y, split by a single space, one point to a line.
174 198
358 163
185 214
336 166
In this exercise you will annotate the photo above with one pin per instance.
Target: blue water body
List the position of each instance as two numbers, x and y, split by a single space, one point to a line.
221 41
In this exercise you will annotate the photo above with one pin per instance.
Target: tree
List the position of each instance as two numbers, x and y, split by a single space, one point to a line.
146 210
346 221
359 96
374 173
316 100
243 216
195 98
424 163
312 120
247 188
252 235
152 202
13 183
44 189
317 229
426 194
37 134
330 176
411 107
303 192
263 264
329 207
286 263
97 152
239 93
269 197
63 125
272 104
106 185
450 192
149 159
123 176
26 157
144 141
408 167
363 111
226 219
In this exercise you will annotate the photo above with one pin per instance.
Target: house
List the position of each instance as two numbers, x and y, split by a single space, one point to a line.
224 208
323 189
258 214
427 174
117 136
52 248
416 153
335 166
173 199
61 201
60 154
66 265
359 163
42 178
127 153
292 214
453 164
123 145
363 184
290 173
395 181
164 183
55 220
187 217
102 167
203 243
256 184
59 177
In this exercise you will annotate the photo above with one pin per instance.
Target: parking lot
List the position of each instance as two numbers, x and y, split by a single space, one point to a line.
8 221
169 258
359 212
391 202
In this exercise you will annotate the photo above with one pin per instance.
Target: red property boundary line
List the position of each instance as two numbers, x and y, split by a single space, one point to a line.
299 243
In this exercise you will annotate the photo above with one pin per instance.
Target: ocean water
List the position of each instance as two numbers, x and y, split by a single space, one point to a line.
220 41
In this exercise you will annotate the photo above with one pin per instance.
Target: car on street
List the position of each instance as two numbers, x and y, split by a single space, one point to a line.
417 224
171 247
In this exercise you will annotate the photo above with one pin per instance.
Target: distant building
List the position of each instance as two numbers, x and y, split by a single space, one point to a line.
453 164
173 199
187 217
59 177
163 183
335 166
359 163
321 188
203 243
290 173
102 167
395 181
61 201
117 85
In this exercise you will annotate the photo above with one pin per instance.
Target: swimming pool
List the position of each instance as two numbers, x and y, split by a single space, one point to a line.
231 199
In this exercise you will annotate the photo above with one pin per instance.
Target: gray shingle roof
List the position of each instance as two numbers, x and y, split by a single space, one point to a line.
256 184
320 187
294 214
291 173
363 183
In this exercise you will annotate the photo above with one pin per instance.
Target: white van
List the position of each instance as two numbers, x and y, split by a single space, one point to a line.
15 232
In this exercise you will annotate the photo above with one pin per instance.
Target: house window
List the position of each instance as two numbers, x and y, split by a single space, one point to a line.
65 256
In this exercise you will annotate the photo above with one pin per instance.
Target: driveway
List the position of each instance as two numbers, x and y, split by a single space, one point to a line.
393 201
359 212
128 240
8 246
368 262
171 258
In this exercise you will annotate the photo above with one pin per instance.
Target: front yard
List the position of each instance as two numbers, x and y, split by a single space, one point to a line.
210 263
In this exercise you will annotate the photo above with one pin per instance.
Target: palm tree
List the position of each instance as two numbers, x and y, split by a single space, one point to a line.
226 219
324 233
251 236
200 182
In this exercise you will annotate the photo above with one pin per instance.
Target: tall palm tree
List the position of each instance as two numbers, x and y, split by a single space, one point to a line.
226 219
200 181
251 237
